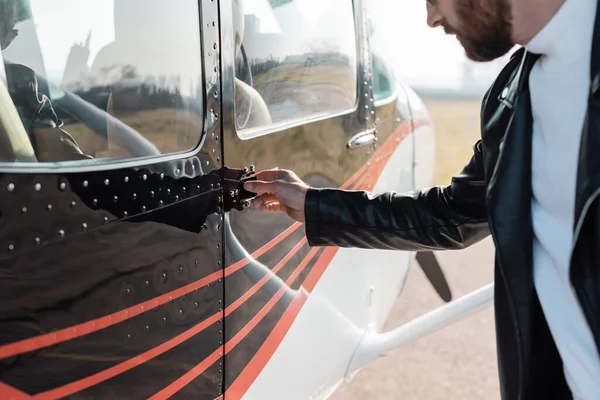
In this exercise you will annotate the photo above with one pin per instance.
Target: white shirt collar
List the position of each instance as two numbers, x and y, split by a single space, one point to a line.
567 37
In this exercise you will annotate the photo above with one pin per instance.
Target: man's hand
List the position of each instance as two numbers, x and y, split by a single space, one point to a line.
279 190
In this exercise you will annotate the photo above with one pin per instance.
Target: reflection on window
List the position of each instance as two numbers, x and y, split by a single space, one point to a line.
295 60
383 79
97 79
383 74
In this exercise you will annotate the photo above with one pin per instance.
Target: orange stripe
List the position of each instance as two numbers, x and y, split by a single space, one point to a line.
85 328
317 271
354 177
361 181
243 382
185 380
266 351
230 345
402 130
109 373
383 155
236 304
242 263
125 366
10 393
75 331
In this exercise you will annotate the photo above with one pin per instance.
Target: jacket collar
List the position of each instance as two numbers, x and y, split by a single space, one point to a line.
509 189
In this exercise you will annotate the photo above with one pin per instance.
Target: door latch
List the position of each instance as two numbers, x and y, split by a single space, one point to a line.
235 196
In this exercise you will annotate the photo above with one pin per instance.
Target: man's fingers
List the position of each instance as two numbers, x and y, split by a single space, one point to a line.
262 199
269 174
262 187
272 207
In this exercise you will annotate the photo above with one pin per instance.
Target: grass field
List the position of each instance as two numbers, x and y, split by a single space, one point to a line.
457 127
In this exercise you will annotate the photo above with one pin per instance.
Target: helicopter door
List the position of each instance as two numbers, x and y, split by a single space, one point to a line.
110 232
297 79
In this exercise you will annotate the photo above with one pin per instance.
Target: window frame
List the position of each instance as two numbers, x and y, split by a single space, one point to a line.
170 162
389 99
361 117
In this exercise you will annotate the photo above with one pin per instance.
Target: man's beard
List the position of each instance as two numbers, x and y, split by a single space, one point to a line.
486 26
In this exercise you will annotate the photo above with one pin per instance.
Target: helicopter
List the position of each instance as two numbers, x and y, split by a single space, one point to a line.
132 263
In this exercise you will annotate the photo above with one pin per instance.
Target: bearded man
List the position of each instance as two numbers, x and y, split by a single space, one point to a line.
533 183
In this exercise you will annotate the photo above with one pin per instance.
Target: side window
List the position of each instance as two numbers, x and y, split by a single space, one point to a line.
100 79
295 60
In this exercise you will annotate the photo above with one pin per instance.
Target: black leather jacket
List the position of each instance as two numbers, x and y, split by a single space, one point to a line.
491 195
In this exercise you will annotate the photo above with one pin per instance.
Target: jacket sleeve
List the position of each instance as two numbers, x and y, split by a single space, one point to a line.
438 218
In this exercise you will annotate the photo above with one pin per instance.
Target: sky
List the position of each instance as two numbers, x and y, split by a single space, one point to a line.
56 39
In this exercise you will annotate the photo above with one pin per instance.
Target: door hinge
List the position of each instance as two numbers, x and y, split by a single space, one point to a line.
234 194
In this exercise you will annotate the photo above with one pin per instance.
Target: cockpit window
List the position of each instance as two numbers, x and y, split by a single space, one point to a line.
98 80
296 60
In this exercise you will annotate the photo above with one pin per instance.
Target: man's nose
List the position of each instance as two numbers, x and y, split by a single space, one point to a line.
434 18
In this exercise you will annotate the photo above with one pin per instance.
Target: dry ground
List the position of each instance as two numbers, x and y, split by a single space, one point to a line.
459 362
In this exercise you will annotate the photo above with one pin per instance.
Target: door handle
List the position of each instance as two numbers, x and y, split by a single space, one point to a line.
362 139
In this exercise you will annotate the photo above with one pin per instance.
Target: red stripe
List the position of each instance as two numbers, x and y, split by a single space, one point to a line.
109 373
236 304
242 263
354 177
361 181
75 331
125 366
261 358
243 382
185 380
85 328
317 271
230 345
10 393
